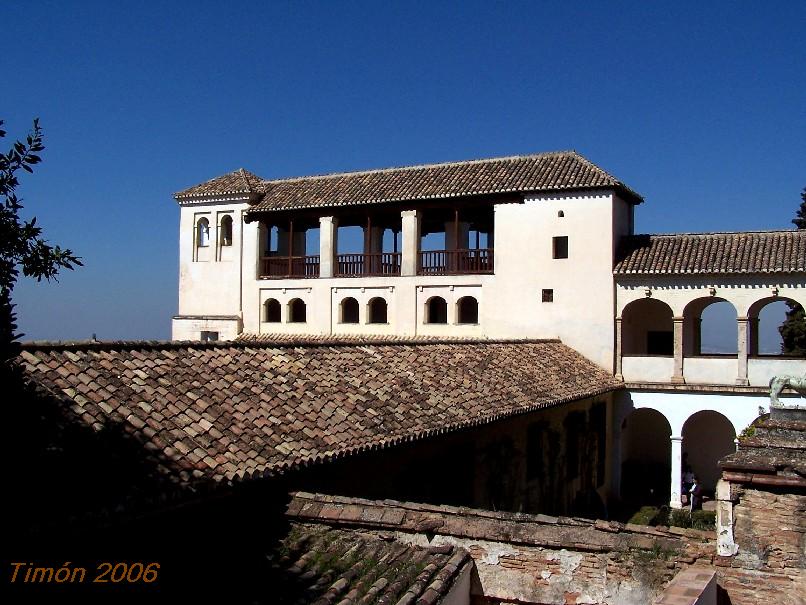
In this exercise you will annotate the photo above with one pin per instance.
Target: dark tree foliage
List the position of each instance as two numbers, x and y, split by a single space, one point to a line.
21 243
793 330
800 218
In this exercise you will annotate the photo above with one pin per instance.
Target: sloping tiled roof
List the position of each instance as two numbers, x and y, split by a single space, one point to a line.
229 411
557 171
714 253
323 565
237 181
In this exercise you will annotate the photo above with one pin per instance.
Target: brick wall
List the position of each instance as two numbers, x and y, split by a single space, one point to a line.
531 559
770 563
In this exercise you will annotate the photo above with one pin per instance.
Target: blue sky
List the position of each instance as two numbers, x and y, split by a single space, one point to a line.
701 107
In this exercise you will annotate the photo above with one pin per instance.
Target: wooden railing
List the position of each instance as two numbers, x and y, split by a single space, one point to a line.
385 263
447 262
289 266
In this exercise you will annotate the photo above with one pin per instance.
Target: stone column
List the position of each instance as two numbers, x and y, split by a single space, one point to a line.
328 227
618 347
677 448
743 347
677 374
410 244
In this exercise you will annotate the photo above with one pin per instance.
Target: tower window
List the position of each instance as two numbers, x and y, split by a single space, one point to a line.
226 230
560 246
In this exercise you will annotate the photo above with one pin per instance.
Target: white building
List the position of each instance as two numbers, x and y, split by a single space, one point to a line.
509 248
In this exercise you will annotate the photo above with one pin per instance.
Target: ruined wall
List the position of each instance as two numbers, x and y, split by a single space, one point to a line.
769 529
530 559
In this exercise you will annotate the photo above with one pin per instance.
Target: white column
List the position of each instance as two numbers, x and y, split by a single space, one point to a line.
618 348
743 348
410 244
327 245
677 447
677 376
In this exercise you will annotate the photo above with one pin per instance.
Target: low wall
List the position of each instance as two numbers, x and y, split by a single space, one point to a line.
531 559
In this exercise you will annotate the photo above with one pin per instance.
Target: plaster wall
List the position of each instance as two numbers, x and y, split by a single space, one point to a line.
209 277
648 368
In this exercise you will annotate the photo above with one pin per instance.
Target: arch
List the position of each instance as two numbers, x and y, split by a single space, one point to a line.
467 310
767 330
226 230
646 454
707 437
271 310
202 233
296 311
647 328
436 310
349 311
377 311
720 335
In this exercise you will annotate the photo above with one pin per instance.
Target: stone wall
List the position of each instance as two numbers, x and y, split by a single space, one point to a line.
530 559
769 531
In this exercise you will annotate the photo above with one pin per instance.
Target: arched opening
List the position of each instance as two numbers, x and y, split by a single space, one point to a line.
296 311
271 311
647 328
646 452
436 310
202 233
710 328
226 230
377 311
349 311
777 327
467 310
707 437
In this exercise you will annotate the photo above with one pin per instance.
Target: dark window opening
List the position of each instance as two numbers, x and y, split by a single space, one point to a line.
272 311
560 246
548 295
377 311
574 426
296 311
207 336
468 308
226 231
535 450
436 311
349 311
659 343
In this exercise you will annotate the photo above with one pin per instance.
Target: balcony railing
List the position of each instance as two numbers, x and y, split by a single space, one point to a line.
375 265
451 262
289 266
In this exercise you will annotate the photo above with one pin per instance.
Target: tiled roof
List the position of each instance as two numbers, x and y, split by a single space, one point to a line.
322 565
714 253
558 171
237 181
229 411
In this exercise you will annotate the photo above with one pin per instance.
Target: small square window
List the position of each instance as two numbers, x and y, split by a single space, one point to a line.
560 246
207 336
548 295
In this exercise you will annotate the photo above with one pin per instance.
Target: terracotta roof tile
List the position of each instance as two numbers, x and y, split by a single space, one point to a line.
231 410
713 253
556 171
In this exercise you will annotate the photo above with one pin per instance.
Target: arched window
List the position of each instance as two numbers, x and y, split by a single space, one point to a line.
202 233
226 230
436 310
296 311
377 311
349 311
647 328
709 327
468 310
773 327
271 311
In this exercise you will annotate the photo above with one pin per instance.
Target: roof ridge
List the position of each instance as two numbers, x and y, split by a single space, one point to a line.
425 166
301 341
695 233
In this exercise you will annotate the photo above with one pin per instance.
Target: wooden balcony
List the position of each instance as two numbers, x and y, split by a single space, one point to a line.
455 262
368 265
274 267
